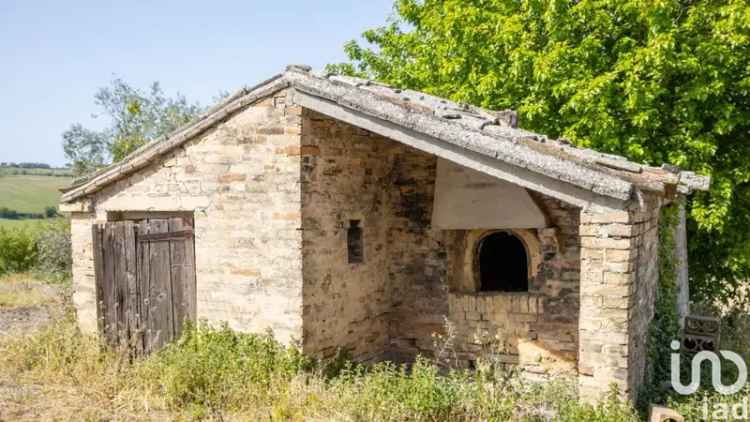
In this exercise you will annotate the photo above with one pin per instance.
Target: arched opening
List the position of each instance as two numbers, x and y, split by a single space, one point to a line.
503 263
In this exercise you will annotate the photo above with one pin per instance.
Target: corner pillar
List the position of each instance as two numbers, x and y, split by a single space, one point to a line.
619 275
681 263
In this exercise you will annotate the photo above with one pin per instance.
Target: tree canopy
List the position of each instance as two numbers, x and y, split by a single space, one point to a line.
654 80
135 118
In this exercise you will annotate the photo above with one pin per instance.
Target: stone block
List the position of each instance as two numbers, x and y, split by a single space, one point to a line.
613 216
606 243
615 255
618 278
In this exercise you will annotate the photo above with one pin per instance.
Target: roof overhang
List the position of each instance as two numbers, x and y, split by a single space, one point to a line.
484 163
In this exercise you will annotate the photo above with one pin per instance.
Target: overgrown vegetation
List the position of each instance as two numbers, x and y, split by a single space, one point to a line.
735 328
665 326
43 248
217 373
22 290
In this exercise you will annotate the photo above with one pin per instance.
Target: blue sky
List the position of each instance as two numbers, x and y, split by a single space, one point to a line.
55 54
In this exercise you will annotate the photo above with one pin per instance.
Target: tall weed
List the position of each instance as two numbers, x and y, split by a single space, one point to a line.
220 369
54 258
215 373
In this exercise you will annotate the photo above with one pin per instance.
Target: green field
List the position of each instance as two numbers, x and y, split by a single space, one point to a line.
31 193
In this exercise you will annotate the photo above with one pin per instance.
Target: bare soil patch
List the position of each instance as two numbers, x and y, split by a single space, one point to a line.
19 321
27 305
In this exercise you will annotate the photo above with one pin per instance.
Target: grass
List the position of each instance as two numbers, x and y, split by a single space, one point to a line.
23 290
32 224
22 296
214 373
27 193
218 374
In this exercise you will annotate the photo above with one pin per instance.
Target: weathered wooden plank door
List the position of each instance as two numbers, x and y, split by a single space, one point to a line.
145 281
114 265
166 262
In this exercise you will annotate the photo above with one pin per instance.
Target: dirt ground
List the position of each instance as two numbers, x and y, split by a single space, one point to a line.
26 305
23 320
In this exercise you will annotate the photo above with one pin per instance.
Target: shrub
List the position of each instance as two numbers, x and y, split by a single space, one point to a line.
43 247
18 249
50 212
391 392
217 368
54 257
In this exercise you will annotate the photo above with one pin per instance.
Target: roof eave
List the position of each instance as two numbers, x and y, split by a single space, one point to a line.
614 178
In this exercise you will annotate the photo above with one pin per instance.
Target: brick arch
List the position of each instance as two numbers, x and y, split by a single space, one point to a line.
528 238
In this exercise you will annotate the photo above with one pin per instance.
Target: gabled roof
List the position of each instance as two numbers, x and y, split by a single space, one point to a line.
489 138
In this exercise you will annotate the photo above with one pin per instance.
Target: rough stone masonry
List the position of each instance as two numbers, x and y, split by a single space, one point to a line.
314 199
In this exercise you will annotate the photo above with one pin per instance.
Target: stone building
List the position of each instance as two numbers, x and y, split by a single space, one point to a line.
343 213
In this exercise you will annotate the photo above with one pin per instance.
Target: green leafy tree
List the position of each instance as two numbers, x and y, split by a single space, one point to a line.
654 80
86 149
50 212
135 116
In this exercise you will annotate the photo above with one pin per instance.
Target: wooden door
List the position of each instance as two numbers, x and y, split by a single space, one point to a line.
145 281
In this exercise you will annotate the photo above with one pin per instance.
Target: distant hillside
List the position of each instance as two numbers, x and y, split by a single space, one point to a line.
30 193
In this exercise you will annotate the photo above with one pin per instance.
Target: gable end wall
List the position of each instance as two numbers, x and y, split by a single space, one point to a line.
241 181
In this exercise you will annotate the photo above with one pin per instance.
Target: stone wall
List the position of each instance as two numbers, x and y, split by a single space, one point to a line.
641 310
389 305
418 257
84 295
619 277
241 181
345 177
